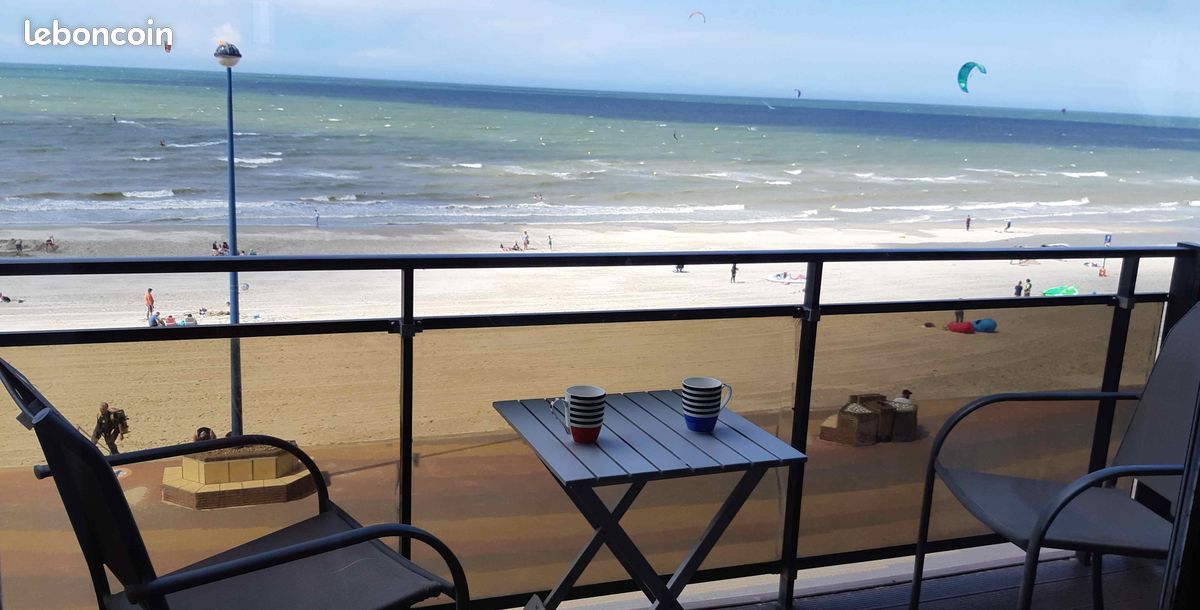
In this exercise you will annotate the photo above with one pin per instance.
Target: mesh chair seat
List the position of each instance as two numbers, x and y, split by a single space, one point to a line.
369 574
1100 519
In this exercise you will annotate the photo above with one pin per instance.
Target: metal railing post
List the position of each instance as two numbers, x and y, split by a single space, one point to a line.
801 406
1114 360
1185 285
406 407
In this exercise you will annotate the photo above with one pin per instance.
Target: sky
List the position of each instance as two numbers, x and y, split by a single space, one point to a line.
1121 56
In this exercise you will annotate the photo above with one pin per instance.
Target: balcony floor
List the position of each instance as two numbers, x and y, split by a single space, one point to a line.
1063 584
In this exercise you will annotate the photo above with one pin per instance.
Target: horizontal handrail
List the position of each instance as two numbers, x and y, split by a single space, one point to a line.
368 262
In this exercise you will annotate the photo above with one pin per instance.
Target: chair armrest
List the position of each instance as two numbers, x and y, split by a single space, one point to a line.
172 583
158 453
1092 479
985 401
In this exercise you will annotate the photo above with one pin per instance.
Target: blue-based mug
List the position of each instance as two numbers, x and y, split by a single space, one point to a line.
703 402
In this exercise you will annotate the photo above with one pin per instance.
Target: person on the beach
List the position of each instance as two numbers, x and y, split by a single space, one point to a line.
527 240
733 274
149 302
111 425
905 397
1028 287
958 315
968 222
162 142
1017 289
1007 226
317 219
678 268
154 321
170 321
50 245
189 320
216 249
20 246
550 242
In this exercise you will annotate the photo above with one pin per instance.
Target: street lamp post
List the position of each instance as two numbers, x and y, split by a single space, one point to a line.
228 56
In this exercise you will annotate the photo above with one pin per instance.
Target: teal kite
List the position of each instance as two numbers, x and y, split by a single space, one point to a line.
965 71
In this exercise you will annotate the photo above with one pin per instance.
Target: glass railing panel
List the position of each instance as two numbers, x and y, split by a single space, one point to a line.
484 492
338 397
861 497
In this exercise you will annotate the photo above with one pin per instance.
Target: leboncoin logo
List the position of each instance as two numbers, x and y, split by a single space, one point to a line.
58 35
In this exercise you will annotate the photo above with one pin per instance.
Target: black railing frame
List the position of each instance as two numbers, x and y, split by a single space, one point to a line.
1184 291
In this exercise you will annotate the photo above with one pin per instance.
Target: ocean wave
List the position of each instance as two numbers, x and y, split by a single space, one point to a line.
145 159
273 153
469 165
1000 205
316 173
1083 174
1191 180
872 177
778 182
794 172
252 162
195 144
1004 172
246 133
149 194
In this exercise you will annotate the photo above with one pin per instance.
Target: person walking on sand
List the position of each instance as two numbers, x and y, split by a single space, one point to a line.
968 222
1017 289
527 240
317 219
1007 226
550 242
958 315
733 274
111 426
149 302
1028 287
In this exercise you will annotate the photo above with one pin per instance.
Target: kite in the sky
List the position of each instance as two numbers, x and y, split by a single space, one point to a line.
167 47
965 71
702 17
797 92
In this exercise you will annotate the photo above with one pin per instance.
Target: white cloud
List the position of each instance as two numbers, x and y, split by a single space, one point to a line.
226 32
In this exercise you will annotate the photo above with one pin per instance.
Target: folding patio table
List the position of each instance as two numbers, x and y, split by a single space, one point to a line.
644 438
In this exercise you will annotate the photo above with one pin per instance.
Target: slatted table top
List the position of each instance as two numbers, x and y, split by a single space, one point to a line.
644 438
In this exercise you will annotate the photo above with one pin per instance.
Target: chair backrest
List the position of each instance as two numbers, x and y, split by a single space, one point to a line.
1161 426
99 513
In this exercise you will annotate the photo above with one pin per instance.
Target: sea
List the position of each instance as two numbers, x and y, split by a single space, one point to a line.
92 145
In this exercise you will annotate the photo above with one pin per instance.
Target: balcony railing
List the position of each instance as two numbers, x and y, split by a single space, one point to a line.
406 429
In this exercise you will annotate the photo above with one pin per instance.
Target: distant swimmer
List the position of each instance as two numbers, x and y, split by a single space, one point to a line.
114 118
675 135
162 142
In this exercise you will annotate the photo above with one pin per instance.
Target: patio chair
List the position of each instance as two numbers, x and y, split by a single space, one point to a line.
325 561
1088 514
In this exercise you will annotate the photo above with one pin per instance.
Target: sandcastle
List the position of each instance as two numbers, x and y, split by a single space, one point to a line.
870 418
239 476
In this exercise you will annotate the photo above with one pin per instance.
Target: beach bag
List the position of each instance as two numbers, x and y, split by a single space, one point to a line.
961 327
986 325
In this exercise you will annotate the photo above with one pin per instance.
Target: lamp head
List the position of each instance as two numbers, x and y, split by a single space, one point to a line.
227 54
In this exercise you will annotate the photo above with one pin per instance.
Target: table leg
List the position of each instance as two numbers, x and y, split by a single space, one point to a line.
729 509
559 593
622 547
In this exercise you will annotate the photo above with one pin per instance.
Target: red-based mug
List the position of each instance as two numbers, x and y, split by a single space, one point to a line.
581 412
